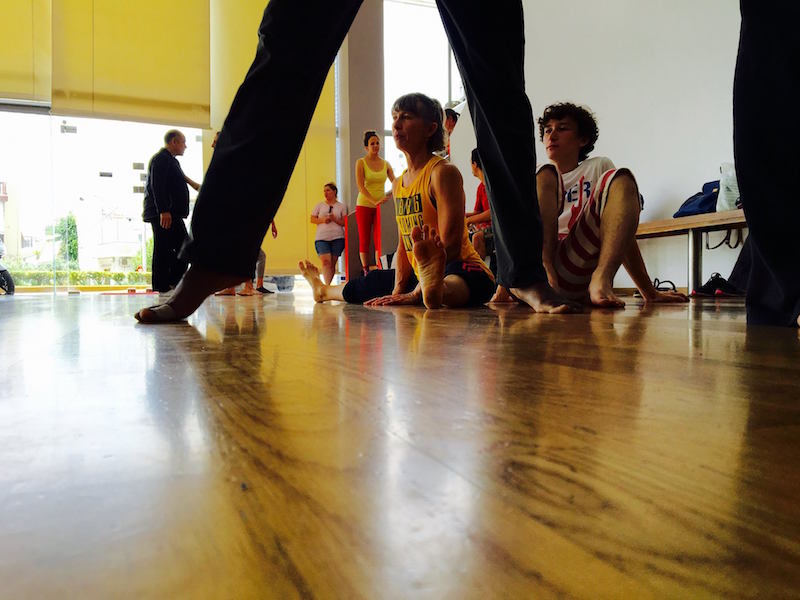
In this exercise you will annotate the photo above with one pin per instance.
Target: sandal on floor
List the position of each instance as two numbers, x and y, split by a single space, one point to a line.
662 286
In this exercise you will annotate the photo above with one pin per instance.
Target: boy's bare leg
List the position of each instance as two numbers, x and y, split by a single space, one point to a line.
547 191
197 285
541 296
430 257
322 292
617 233
634 264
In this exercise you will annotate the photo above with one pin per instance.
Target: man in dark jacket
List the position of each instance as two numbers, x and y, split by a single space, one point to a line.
166 205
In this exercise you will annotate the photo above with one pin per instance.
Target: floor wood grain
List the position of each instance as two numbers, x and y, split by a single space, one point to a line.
271 447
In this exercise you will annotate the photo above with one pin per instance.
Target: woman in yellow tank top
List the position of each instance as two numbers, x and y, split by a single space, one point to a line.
371 174
436 264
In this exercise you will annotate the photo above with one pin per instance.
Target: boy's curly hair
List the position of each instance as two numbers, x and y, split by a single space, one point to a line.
587 125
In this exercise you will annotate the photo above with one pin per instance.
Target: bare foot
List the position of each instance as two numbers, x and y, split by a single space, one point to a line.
231 291
544 299
248 290
601 294
311 274
430 257
502 294
197 285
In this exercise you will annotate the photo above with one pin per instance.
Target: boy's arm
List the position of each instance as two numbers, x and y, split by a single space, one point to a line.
547 191
479 217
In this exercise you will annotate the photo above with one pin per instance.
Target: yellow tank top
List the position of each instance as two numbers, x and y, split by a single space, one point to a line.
374 181
414 206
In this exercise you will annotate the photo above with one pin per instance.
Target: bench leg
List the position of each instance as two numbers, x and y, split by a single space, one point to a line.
695 260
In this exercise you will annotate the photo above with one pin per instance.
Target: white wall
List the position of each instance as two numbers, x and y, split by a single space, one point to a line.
658 75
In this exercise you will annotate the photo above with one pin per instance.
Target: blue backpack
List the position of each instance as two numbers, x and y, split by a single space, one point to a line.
701 202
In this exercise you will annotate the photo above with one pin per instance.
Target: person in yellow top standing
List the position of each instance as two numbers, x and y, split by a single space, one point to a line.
436 264
371 174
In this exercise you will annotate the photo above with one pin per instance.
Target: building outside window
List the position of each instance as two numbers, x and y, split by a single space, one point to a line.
71 196
426 66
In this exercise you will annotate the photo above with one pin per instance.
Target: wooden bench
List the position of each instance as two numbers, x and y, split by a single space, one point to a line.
693 227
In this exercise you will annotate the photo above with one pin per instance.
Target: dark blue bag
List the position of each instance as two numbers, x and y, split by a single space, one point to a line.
701 202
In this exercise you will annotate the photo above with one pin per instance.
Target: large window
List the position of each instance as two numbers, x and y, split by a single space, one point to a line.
417 58
73 190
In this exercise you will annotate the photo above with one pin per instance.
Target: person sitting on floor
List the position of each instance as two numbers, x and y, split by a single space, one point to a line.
436 264
590 212
479 221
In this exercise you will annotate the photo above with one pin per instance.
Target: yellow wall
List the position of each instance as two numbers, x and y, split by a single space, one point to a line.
143 61
25 50
234 27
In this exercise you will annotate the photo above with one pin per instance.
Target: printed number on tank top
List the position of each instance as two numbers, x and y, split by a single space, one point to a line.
578 206
409 215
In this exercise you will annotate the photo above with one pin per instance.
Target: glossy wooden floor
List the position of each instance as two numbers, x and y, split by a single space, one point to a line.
271 447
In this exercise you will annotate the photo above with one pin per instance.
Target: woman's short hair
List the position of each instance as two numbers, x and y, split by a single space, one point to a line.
431 112
332 185
370 134
476 159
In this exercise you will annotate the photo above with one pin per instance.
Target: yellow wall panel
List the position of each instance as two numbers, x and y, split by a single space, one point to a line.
25 50
234 29
145 61
73 56
315 167
42 49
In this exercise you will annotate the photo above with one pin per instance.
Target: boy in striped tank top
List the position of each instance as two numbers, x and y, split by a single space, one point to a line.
590 212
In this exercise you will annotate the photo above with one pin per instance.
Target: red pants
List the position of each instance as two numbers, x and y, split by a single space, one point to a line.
366 219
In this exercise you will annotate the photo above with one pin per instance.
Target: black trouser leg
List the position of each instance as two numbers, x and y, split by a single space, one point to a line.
264 131
766 131
163 257
488 41
178 265
167 267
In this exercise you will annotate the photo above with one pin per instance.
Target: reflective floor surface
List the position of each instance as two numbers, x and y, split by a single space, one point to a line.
271 447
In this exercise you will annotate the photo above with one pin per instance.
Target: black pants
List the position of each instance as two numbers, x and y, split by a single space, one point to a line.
380 282
167 267
766 131
264 131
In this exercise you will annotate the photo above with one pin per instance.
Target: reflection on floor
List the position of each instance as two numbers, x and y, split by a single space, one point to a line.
271 447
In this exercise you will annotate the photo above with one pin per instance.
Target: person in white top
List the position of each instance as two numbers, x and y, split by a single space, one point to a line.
590 212
329 216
